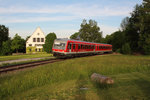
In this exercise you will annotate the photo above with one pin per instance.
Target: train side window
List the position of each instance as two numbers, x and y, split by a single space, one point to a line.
70 46
78 46
84 46
81 46
74 46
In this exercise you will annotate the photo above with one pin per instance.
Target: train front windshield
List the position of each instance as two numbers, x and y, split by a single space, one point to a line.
59 45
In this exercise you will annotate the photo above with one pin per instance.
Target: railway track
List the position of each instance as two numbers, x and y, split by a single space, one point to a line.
10 68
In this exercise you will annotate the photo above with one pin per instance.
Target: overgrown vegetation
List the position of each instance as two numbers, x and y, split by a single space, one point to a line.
70 79
135 31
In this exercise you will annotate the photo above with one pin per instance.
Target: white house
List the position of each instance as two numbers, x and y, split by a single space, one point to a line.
36 41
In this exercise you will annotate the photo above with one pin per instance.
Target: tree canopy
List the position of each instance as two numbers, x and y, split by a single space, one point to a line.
18 44
90 31
74 36
135 31
49 42
6 50
4 32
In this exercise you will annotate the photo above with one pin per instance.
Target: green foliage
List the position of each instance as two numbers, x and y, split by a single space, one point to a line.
117 39
124 23
118 51
18 44
126 49
90 31
49 42
24 56
6 50
135 30
4 32
138 29
74 36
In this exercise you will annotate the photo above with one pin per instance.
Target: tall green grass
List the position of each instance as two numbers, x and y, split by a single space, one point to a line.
71 69
14 57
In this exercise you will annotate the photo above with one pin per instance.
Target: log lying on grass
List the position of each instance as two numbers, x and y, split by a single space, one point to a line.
101 79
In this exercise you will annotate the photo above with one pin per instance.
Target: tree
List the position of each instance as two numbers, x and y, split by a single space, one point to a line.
144 27
6 50
74 36
49 42
90 31
4 32
124 23
117 39
18 44
138 30
126 49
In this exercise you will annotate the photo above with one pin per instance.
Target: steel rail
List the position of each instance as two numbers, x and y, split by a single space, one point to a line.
10 68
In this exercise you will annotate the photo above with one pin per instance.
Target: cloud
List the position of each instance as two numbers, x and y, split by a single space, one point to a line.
69 12
107 30
36 19
76 9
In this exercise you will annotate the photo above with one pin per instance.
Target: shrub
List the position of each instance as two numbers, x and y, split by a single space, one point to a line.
126 49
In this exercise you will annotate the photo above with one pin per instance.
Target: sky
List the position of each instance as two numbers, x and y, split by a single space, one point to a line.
63 17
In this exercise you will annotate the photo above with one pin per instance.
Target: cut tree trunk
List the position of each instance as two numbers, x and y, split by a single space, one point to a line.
101 79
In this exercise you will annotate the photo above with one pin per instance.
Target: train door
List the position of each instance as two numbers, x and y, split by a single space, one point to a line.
73 47
79 47
69 47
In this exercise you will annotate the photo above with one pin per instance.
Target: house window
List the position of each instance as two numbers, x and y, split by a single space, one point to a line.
42 39
30 45
38 33
34 39
38 39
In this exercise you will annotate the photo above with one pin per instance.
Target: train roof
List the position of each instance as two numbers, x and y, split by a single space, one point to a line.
64 39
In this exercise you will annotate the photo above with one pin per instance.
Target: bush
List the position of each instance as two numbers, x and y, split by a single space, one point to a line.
126 49
146 49
6 50
118 51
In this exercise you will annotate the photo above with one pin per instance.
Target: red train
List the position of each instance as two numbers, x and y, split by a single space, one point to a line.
66 47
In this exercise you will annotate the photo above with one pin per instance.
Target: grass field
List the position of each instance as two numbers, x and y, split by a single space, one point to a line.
70 80
14 57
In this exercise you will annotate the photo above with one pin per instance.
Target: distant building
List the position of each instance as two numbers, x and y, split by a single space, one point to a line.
35 43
